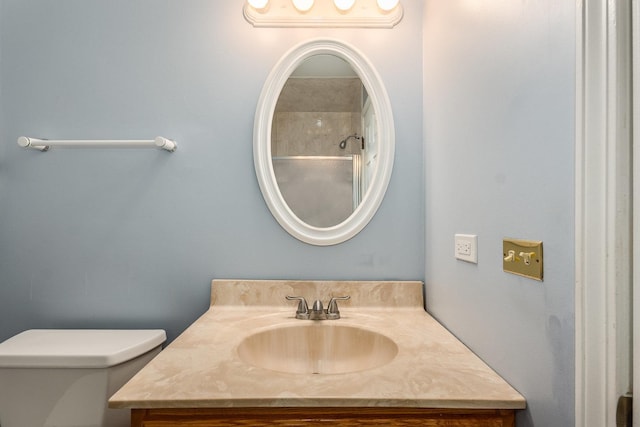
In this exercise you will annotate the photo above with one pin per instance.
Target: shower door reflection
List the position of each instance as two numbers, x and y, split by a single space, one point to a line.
322 191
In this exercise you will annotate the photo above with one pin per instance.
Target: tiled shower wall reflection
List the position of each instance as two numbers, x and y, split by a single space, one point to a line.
313 115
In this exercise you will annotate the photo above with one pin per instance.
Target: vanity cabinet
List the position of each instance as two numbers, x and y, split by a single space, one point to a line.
325 417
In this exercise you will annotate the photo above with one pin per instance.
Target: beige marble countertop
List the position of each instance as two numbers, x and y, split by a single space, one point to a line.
201 368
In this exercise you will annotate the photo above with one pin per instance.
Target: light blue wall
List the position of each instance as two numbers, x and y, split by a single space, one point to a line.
499 86
98 238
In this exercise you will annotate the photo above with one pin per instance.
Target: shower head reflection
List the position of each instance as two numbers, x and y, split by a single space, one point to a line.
343 143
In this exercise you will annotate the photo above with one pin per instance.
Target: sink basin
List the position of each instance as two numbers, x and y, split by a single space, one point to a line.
317 348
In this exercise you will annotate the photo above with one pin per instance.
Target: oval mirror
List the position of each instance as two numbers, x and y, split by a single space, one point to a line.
324 142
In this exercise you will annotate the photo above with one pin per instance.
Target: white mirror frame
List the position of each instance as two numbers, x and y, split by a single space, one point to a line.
262 143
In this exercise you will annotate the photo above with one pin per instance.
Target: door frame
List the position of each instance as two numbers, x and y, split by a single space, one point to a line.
603 212
635 123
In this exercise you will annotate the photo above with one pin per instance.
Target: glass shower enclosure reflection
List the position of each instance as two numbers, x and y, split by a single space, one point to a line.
322 191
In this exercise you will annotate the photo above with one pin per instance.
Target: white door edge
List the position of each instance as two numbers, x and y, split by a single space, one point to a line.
603 213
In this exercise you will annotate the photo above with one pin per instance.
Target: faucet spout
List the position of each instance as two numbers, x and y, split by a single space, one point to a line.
317 311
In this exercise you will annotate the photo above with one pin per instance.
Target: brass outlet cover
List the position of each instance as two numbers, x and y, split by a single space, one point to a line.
522 257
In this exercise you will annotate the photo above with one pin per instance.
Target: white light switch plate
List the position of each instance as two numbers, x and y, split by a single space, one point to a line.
466 247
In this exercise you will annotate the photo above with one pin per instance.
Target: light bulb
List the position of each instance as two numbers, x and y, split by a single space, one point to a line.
258 4
344 5
387 5
303 5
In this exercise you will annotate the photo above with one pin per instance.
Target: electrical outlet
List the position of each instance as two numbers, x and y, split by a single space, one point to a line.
466 247
463 247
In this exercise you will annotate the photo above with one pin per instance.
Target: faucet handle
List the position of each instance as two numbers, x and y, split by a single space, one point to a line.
332 311
303 309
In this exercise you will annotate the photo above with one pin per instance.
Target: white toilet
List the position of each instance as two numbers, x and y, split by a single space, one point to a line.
63 378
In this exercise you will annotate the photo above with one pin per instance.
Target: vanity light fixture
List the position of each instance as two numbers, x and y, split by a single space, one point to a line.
323 13
258 4
387 5
303 5
344 5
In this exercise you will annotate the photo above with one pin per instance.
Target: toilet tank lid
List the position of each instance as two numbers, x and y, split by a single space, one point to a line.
77 348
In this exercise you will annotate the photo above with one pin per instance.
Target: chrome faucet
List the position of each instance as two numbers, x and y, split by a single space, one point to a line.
303 309
317 311
332 311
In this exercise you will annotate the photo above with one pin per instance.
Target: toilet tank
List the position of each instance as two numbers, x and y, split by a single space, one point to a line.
64 378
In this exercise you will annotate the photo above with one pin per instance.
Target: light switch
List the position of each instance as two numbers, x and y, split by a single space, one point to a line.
522 257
